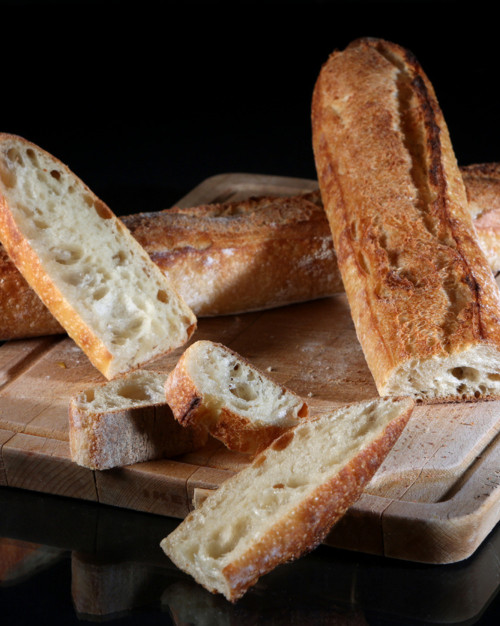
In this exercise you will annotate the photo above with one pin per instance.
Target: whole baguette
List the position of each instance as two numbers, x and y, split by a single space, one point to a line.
284 503
125 421
84 265
214 387
215 254
423 298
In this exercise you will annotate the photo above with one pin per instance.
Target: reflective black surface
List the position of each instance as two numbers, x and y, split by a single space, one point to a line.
67 561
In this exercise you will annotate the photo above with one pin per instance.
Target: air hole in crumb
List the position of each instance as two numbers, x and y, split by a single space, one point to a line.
89 395
7 176
296 481
303 411
133 392
100 293
40 224
243 391
477 394
465 373
31 156
279 486
162 296
102 210
14 156
67 256
55 174
493 376
119 257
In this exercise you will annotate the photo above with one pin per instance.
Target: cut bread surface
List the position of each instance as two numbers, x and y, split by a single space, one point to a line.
127 421
214 386
286 501
86 267
421 293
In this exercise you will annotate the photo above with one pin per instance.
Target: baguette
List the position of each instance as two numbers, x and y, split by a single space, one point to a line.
83 263
284 503
213 386
423 299
215 254
127 421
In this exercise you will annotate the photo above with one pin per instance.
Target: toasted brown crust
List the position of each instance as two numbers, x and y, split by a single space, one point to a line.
272 233
418 284
28 263
96 344
104 439
312 520
237 432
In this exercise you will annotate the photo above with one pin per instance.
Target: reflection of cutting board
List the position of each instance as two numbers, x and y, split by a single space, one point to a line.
435 498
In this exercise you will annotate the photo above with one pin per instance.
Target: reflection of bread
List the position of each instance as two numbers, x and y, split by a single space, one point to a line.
205 251
238 404
127 421
286 501
423 299
93 276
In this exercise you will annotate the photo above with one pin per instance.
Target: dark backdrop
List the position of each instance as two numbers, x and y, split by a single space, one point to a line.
146 100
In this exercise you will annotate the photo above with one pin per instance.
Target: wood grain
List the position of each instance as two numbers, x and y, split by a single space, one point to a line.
435 498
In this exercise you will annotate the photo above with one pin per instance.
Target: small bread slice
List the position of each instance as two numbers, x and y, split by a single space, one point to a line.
284 503
127 421
84 265
235 401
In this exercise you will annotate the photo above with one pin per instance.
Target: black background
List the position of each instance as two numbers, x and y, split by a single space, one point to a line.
145 100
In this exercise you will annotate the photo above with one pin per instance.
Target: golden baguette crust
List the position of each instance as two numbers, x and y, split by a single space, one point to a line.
203 390
422 296
181 242
35 187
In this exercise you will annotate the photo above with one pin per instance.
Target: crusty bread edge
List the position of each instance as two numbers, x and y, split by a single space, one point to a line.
27 261
237 432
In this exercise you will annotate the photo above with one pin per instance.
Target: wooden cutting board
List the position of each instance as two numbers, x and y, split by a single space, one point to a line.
435 499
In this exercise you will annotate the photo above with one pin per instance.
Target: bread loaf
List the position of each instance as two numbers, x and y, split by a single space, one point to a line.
242 256
127 421
83 263
287 500
213 386
423 299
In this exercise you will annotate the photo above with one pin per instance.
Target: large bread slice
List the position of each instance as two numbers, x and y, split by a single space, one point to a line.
83 263
234 257
213 386
287 500
127 421
422 296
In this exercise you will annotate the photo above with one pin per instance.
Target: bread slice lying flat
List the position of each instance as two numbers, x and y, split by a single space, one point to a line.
83 263
127 421
287 500
238 404
421 293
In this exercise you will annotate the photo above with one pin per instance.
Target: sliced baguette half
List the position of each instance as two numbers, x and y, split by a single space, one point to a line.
284 503
84 265
127 421
238 404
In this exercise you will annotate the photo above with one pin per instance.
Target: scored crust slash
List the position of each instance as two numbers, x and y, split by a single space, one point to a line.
422 296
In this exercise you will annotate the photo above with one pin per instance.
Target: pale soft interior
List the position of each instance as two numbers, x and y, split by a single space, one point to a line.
227 381
107 278
246 507
140 388
469 374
